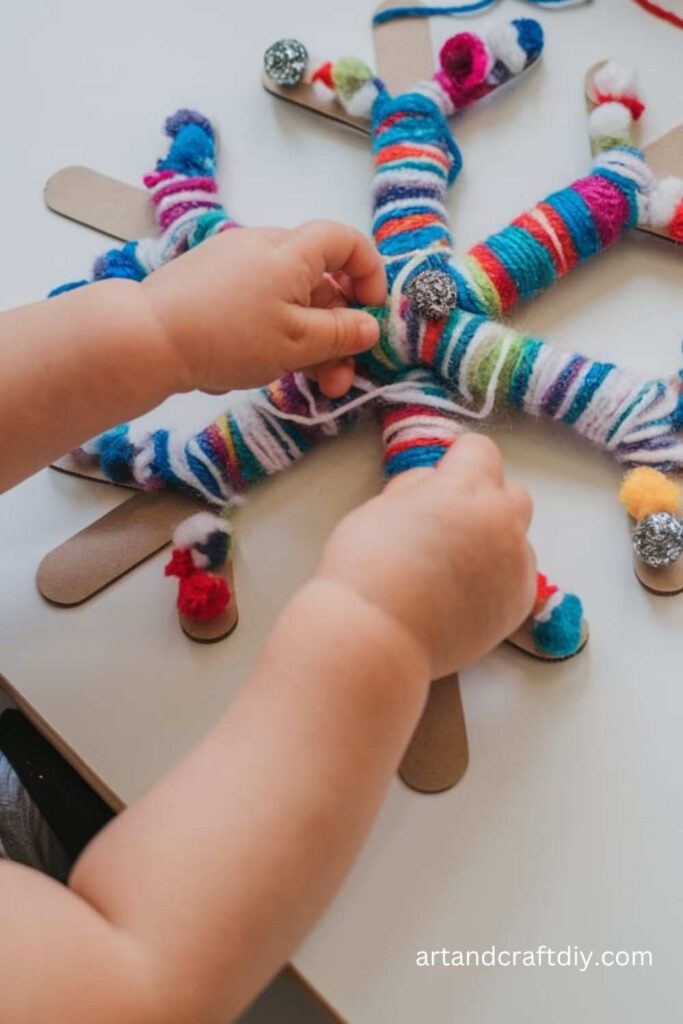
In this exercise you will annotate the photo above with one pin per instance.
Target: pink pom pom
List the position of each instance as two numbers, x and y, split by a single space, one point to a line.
465 64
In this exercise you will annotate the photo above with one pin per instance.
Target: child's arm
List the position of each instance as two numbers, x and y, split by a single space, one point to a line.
239 310
183 907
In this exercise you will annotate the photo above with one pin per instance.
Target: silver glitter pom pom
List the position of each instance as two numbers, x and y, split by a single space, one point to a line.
658 539
432 294
285 61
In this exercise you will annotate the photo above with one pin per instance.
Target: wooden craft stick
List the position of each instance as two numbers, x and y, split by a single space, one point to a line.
403 49
222 626
523 640
664 156
100 202
665 581
403 57
438 754
303 95
112 546
73 467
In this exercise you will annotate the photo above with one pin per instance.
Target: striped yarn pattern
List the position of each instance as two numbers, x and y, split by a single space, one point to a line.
545 243
184 194
416 159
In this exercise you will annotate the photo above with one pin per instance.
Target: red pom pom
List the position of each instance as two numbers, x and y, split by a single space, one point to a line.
202 596
465 61
675 228
181 563
633 103
544 590
324 74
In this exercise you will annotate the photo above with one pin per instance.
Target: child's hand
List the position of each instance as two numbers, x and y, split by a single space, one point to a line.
250 304
444 554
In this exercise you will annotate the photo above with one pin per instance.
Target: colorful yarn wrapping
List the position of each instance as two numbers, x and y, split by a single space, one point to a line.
472 7
429 378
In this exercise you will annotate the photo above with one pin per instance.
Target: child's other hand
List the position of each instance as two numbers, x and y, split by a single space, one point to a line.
443 553
247 306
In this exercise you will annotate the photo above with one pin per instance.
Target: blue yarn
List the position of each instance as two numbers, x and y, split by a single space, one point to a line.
193 150
122 263
116 454
70 286
394 13
560 636
429 125
529 36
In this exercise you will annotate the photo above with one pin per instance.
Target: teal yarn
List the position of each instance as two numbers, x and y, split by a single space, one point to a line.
561 635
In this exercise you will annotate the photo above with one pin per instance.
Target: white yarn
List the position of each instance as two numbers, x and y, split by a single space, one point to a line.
664 199
614 79
504 44
611 121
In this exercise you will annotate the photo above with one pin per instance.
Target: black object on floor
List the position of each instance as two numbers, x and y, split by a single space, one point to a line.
74 812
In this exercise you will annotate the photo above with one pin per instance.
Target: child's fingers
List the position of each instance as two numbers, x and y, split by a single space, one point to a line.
330 247
472 459
328 334
522 503
327 294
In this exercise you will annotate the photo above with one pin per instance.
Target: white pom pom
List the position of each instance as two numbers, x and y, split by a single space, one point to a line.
613 79
503 42
197 529
322 92
664 199
361 103
610 120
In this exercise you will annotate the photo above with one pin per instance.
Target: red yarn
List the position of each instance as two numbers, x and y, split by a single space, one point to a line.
632 103
661 12
675 228
181 563
324 75
202 596
544 590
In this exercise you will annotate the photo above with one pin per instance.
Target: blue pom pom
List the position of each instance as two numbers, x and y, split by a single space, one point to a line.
529 36
193 149
116 454
70 286
120 263
561 635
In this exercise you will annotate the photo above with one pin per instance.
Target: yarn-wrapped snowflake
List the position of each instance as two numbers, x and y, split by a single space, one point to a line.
446 359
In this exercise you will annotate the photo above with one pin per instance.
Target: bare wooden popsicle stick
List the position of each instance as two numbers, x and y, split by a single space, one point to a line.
664 156
100 202
113 545
438 754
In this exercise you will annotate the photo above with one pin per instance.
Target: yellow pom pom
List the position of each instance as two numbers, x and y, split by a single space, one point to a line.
646 490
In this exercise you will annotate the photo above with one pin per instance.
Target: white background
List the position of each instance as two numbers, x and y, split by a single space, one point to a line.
566 829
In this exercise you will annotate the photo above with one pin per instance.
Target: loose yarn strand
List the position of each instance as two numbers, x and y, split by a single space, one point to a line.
395 13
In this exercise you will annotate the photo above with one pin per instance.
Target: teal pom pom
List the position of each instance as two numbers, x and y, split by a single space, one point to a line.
561 635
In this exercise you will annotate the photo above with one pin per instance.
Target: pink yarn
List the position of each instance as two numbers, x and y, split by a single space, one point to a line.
465 64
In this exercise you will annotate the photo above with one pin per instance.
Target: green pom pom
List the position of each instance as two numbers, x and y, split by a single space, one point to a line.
349 75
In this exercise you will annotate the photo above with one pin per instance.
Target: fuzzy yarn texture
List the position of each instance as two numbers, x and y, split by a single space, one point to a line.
645 491
427 379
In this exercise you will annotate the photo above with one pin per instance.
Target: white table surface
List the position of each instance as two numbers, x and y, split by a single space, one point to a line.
566 829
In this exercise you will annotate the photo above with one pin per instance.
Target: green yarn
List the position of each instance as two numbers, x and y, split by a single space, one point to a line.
349 75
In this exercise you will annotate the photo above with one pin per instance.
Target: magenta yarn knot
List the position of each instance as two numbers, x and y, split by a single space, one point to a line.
465 64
